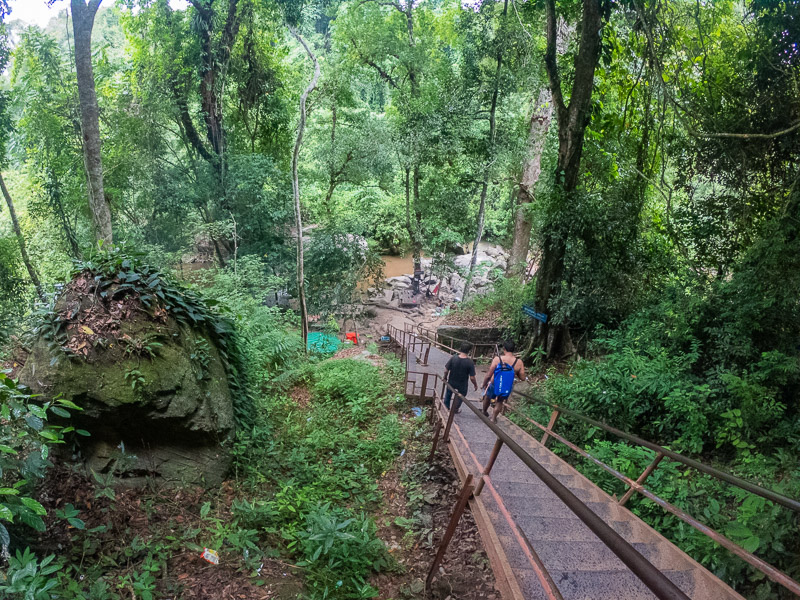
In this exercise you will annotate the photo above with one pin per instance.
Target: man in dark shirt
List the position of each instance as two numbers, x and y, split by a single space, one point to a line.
458 372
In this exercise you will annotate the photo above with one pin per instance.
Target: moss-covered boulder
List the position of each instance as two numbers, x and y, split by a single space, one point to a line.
153 382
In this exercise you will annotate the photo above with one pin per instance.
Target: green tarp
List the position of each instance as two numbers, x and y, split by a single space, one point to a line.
324 343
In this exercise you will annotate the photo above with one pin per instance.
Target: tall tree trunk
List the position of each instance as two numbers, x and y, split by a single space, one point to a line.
541 117
572 122
332 174
83 15
23 250
301 288
413 228
329 197
487 171
531 170
417 239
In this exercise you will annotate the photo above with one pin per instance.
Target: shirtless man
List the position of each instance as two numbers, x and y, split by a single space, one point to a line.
515 364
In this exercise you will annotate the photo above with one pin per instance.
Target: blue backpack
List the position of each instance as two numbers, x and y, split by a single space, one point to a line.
504 378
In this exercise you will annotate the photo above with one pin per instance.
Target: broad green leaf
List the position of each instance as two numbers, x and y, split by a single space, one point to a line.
6 514
34 506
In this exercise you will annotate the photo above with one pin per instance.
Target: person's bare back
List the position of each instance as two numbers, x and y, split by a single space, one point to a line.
512 361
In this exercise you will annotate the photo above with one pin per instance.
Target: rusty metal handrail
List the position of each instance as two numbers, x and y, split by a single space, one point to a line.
549 586
655 580
428 381
406 338
727 477
431 336
767 569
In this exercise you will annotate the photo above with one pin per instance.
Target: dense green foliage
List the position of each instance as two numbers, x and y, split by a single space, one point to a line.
321 462
25 441
677 249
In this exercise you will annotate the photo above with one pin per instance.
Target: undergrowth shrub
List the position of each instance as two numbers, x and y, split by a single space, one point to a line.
270 343
348 380
315 467
25 440
341 548
506 299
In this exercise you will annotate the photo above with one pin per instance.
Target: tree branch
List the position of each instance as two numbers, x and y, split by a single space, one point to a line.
189 128
387 77
551 62
395 5
747 136
229 32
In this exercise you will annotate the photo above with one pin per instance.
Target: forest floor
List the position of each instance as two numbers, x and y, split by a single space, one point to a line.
127 528
147 543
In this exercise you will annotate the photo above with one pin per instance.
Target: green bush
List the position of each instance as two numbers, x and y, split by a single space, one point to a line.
342 550
348 380
28 578
25 441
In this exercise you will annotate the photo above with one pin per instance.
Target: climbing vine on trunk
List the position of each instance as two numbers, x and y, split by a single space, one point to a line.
572 120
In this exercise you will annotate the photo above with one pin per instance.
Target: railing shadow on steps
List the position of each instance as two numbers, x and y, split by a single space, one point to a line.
774 574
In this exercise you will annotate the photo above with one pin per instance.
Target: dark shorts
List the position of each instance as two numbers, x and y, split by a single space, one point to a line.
448 394
490 395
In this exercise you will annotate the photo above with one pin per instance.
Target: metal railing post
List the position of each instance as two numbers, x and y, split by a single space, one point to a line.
451 414
645 474
458 510
424 391
489 464
552 423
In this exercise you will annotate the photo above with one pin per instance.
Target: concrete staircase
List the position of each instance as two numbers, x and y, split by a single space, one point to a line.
581 566
514 499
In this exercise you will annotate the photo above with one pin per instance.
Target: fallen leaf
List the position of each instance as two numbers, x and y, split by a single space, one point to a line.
86 329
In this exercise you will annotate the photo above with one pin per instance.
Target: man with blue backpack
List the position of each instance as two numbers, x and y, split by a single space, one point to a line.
499 379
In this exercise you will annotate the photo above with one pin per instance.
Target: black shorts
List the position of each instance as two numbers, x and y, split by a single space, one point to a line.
499 399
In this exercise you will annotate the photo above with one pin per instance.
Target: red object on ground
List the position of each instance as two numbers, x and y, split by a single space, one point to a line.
352 336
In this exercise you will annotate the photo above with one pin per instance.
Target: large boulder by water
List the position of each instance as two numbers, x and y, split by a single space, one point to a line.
153 383
490 259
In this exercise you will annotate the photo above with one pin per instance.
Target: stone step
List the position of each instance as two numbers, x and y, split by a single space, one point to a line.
598 585
521 508
518 478
539 490
558 555
559 471
573 530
